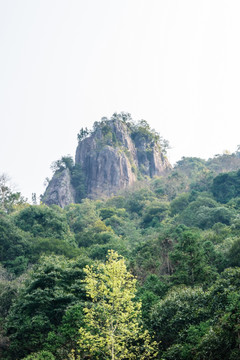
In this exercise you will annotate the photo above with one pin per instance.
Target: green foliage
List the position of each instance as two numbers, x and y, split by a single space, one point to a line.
190 261
84 220
112 327
233 255
149 293
97 233
179 203
180 308
66 162
154 213
191 166
80 216
222 338
49 246
204 212
190 300
41 355
43 221
78 182
106 213
65 337
141 130
9 200
224 163
123 116
83 133
54 285
14 246
9 288
137 200
226 186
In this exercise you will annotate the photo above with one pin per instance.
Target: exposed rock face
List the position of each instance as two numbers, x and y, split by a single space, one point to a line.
105 164
112 160
59 190
113 157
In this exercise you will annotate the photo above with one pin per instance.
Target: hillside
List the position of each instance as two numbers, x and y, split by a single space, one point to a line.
179 233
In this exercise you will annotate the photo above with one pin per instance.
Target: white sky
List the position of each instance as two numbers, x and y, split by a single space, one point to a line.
64 64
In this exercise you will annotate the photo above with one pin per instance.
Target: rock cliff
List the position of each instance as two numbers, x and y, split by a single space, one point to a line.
116 153
60 190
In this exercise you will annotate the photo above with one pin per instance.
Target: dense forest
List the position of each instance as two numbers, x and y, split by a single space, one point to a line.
171 242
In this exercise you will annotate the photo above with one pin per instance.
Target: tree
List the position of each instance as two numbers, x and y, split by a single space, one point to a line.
38 312
112 330
179 309
189 259
43 221
41 355
226 186
66 162
83 133
14 246
9 200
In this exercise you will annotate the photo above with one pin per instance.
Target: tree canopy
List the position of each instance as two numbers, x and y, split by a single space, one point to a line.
112 329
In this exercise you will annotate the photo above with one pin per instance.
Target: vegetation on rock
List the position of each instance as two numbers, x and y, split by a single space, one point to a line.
177 234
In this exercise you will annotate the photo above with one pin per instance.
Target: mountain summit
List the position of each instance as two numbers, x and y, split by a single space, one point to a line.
114 155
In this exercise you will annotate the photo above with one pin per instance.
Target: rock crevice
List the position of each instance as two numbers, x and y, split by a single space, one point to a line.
112 157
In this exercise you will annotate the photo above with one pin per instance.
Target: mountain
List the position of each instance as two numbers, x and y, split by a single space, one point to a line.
113 156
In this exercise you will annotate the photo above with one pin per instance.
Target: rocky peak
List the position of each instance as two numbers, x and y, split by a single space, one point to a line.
60 190
114 155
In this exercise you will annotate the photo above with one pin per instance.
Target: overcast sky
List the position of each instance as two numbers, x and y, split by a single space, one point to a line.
65 64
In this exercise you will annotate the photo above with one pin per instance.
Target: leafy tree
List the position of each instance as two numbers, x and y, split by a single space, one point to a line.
137 200
233 255
9 200
179 203
204 212
150 293
14 246
191 166
53 286
41 355
189 260
49 246
226 186
78 182
112 329
155 212
64 338
106 213
179 309
124 116
83 133
96 233
43 221
80 216
190 216
223 163
66 162
221 341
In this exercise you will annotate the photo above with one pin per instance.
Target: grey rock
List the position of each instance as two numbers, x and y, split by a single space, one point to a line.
111 159
111 163
59 190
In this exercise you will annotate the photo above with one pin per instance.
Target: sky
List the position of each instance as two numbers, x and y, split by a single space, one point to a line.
64 64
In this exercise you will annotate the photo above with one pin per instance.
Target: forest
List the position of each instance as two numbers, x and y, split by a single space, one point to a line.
151 273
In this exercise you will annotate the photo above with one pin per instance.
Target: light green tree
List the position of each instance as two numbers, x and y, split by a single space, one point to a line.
112 329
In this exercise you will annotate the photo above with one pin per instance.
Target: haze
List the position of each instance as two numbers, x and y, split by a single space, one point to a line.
66 64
